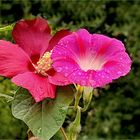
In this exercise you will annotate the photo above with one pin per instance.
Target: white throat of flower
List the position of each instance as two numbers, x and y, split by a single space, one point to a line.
44 64
91 63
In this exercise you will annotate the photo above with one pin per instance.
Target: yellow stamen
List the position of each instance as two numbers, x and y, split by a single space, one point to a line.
44 64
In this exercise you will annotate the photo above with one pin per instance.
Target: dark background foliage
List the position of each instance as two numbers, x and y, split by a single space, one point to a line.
114 112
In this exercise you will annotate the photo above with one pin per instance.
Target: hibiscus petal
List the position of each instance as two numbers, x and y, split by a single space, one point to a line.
39 87
55 39
13 60
32 36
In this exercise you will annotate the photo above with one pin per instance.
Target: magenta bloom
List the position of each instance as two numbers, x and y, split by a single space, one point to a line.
28 61
90 59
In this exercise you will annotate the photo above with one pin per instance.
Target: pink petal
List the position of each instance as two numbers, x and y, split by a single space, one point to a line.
90 60
105 46
118 65
66 47
13 60
39 87
58 79
83 39
32 36
60 34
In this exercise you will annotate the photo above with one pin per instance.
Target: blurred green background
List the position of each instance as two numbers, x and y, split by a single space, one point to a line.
115 110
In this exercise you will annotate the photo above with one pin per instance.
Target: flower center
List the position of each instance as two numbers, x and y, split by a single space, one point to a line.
44 64
91 63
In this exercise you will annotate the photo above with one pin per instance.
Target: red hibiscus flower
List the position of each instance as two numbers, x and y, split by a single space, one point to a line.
28 61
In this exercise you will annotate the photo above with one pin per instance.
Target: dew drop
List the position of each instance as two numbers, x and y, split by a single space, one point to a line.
107 77
79 73
66 68
119 72
59 69
74 74
108 71
66 74
86 77
91 81
83 82
99 74
103 76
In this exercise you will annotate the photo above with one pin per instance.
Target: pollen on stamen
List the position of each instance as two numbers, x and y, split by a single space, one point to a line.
44 64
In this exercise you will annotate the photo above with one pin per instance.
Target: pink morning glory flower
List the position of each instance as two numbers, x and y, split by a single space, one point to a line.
28 61
90 59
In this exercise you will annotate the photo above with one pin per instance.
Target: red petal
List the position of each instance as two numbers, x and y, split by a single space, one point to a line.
39 87
13 60
60 34
32 35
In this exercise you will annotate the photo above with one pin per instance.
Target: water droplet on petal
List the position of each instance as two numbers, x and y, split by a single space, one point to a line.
74 74
119 72
83 82
108 71
66 74
99 74
37 98
103 76
107 77
59 69
79 73
91 81
66 67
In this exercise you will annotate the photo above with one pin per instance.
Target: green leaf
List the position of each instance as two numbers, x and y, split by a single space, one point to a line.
44 118
7 97
7 28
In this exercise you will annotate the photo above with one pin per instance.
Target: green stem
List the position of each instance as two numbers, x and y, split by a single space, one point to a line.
26 8
87 97
78 96
87 102
63 133
75 126
0 12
